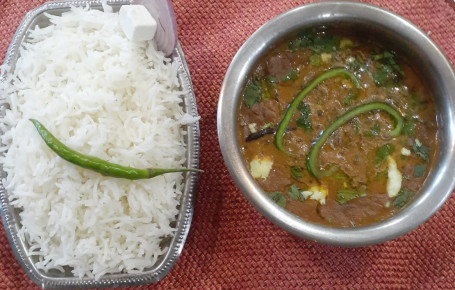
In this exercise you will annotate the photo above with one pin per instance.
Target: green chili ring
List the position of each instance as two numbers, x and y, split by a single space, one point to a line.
317 145
294 104
99 165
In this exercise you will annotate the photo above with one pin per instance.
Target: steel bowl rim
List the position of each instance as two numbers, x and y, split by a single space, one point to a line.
323 12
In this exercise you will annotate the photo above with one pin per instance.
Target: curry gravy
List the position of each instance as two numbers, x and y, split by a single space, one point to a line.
356 146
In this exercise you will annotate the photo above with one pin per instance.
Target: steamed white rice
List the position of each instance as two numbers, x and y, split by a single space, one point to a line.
105 96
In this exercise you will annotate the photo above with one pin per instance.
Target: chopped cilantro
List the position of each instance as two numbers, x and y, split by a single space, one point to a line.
296 172
384 151
383 75
421 150
419 170
278 198
409 127
414 99
345 195
403 197
252 92
258 89
345 43
315 60
292 75
349 98
356 123
340 176
294 193
388 72
355 63
266 125
310 40
324 44
374 131
304 120
270 80
381 175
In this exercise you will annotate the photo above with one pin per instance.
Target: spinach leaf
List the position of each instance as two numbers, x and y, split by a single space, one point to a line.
278 198
345 195
384 151
304 120
294 193
296 172
403 197
419 170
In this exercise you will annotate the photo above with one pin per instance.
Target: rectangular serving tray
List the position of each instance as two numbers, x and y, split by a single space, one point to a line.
10 215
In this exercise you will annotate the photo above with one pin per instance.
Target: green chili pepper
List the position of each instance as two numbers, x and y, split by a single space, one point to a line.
294 104
312 164
96 164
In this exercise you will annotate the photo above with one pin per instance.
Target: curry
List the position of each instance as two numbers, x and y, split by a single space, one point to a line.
338 130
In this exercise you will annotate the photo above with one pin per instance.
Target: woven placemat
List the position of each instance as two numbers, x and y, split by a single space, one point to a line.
230 245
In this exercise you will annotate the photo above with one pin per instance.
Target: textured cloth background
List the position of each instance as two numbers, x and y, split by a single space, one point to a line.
230 245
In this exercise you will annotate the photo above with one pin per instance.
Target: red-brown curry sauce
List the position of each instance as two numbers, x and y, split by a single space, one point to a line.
359 148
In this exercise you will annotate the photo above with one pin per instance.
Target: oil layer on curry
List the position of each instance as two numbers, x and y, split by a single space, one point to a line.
338 131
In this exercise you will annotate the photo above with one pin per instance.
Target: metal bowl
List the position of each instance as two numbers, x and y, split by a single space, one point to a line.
400 35
10 215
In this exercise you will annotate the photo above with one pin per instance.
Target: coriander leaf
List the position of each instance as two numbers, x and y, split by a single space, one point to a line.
374 131
266 125
294 193
340 176
414 99
252 92
292 75
304 120
388 72
383 75
271 80
349 98
409 127
324 44
421 151
315 60
419 170
384 151
356 123
355 63
303 40
296 172
317 43
403 197
345 43
278 198
345 195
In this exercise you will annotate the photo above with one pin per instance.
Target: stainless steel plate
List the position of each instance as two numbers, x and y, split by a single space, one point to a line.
10 215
